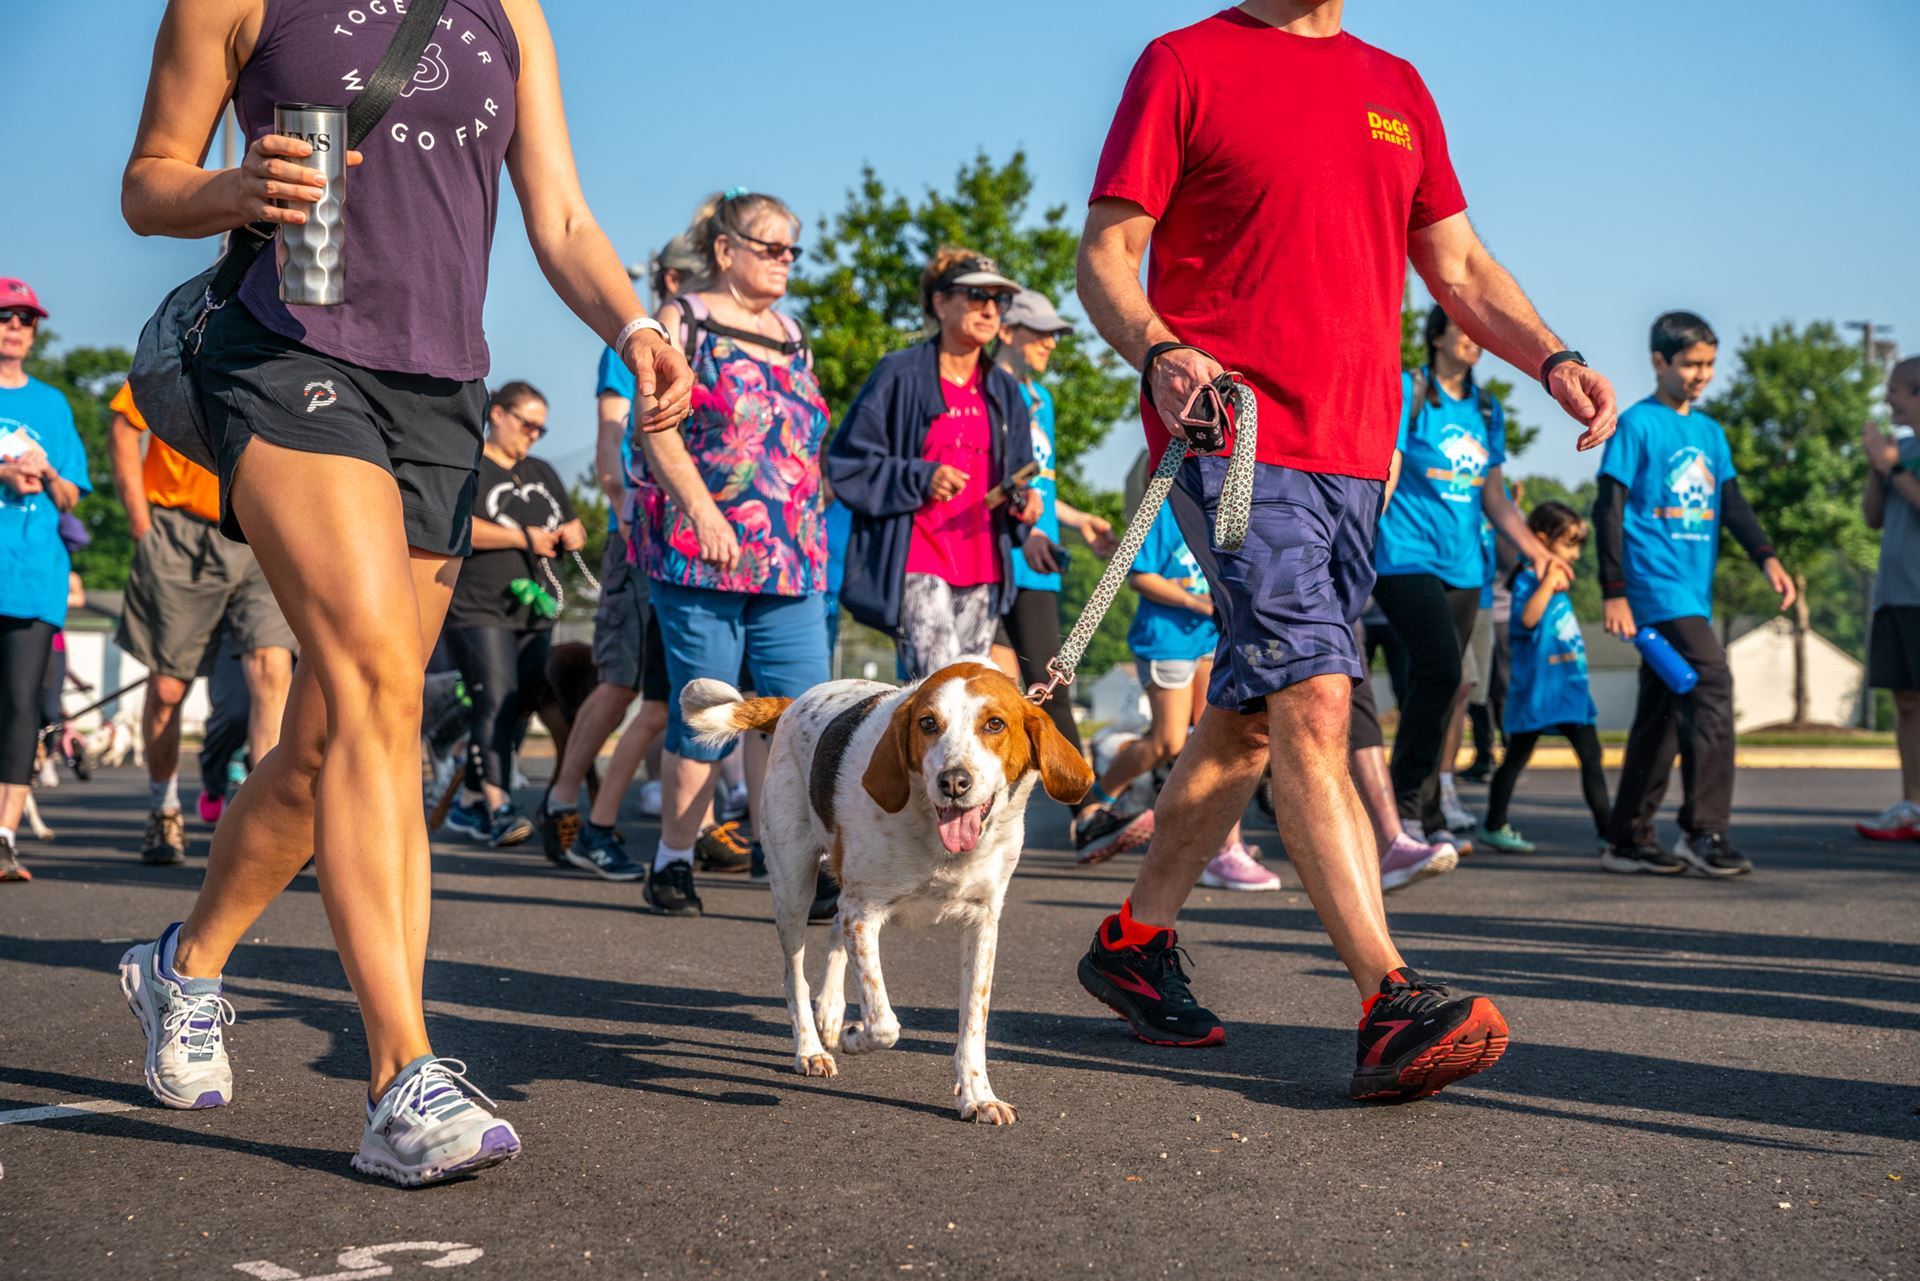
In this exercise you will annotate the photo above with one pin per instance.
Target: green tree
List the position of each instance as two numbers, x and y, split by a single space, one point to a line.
862 301
1792 416
88 377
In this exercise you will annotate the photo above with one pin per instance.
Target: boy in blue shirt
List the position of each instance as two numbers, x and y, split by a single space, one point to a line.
1667 488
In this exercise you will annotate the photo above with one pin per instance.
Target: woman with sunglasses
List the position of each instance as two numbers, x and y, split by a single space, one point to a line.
43 473
1429 557
500 624
347 440
728 515
935 430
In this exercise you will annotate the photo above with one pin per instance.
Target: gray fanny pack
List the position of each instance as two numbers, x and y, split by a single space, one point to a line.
162 373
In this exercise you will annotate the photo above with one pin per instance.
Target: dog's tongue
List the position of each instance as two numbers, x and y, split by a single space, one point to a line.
960 829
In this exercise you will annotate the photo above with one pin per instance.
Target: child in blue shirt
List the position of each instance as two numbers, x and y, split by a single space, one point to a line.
1547 681
1667 488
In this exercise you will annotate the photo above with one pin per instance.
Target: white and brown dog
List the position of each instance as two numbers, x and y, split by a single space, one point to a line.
918 799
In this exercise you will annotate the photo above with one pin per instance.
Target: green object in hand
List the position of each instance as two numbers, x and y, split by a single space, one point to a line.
528 592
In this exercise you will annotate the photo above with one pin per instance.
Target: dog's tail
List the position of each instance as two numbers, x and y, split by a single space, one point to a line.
718 713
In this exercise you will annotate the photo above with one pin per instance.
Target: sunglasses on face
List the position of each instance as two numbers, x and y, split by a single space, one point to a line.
771 250
536 430
27 319
991 297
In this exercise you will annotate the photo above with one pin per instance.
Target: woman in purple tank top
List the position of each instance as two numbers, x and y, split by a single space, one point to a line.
347 439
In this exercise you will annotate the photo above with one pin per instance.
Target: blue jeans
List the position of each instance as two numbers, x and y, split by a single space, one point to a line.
783 638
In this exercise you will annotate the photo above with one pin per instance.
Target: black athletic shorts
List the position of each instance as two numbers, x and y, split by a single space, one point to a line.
425 431
1893 650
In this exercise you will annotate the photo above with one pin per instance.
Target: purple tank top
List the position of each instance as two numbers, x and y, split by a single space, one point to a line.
420 210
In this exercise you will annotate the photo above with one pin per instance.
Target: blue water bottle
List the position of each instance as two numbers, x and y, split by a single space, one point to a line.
1666 661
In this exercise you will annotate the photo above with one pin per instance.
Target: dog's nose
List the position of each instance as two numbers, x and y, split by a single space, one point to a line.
955 783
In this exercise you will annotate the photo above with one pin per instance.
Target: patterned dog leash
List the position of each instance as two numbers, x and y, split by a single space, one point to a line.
1205 421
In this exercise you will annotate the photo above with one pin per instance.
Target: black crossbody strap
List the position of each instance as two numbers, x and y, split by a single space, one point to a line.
396 70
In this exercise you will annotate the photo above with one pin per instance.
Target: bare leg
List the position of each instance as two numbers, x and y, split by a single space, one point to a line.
1906 705
1172 711
13 804
595 722
269 674
1212 782
1375 785
160 726
686 792
1324 825
648 727
344 781
977 1102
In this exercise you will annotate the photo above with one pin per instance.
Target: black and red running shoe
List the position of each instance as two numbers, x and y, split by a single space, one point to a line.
1416 1039
1146 984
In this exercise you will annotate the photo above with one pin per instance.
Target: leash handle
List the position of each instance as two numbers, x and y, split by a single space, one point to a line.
1229 525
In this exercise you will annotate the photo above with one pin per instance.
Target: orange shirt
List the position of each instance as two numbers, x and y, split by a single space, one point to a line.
172 480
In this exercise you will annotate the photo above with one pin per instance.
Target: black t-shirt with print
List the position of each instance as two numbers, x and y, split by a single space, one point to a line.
531 494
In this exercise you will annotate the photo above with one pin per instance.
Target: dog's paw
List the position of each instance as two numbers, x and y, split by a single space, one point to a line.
820 1064
858 1037
988 1111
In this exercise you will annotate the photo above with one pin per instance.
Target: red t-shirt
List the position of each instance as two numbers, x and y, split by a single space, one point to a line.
954 540
1285 173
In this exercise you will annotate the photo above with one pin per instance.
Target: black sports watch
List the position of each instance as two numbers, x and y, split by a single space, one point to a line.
1556 360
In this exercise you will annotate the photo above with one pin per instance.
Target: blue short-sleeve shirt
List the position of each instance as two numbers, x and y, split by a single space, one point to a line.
1040 409
1432 526
33 560
1547 681
1673 466
1167 631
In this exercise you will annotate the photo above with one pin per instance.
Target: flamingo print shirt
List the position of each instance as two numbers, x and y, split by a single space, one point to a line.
755 433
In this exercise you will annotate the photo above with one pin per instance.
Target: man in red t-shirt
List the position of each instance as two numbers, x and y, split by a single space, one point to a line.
1283 173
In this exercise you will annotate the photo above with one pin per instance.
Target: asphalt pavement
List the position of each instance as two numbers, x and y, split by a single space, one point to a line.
1707 1079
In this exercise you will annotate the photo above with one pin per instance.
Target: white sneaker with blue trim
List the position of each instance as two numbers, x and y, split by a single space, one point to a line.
425 1128
186 1063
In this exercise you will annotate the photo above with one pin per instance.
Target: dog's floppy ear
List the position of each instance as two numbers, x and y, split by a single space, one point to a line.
887 779
1063 771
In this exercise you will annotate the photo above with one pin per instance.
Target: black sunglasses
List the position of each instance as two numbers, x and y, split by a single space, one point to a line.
772 250
980 293
536 430
27 319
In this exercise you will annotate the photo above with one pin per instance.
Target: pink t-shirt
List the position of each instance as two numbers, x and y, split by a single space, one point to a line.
954 540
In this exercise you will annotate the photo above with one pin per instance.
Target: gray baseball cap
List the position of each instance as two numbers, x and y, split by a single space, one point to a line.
1032 309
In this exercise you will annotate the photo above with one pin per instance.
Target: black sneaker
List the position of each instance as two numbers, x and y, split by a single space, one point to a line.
1099 835
603 852
1416 1039
166 839
508 826
1147 986
721 850
670 890
1640 858
757 869
559 829
1478 772
10 868
826 898
1710 854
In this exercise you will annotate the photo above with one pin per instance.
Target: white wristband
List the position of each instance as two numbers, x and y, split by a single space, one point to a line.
634 326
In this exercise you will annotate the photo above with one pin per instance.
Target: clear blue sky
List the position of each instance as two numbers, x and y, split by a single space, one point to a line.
1753 161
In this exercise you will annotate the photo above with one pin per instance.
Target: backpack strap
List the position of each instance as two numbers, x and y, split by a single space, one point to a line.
1486 408
1420 388
695 319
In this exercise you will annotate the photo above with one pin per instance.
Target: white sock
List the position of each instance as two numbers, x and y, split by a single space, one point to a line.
166 796
6 835
664 854
1446 788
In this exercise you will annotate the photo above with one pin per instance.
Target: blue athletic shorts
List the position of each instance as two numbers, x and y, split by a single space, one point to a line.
1285 601
706 633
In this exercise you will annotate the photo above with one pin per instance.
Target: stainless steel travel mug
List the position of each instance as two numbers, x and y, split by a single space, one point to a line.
311 254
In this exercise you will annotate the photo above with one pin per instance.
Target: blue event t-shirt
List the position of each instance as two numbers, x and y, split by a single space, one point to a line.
614 379
1547 673
1673 466
839 520
1489 561
1165 631
33 561
1432 526
1040 411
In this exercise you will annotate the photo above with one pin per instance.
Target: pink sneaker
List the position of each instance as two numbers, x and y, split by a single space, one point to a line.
1233 868
1408 860
212 807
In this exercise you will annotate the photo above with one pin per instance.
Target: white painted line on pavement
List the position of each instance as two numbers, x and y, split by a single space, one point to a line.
87 1107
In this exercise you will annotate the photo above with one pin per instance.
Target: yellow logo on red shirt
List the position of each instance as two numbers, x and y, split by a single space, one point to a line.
1385 126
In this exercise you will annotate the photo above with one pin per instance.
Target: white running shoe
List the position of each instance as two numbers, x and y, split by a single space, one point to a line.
1234 868
186 1063
650 798
426 1129
1456 815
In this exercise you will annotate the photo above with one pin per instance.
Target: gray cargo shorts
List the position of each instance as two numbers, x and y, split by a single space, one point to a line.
187 579
620 622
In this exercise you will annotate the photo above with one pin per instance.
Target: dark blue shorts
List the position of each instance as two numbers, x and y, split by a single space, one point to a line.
1285 601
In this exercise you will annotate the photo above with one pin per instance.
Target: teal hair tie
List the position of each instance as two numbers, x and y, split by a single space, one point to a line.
734 193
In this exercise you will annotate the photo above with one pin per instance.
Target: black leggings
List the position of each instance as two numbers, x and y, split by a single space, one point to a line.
1032 630
498 664
1593 779
1434 621
26 646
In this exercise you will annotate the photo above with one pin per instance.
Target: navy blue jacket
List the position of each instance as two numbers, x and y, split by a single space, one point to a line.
876 466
